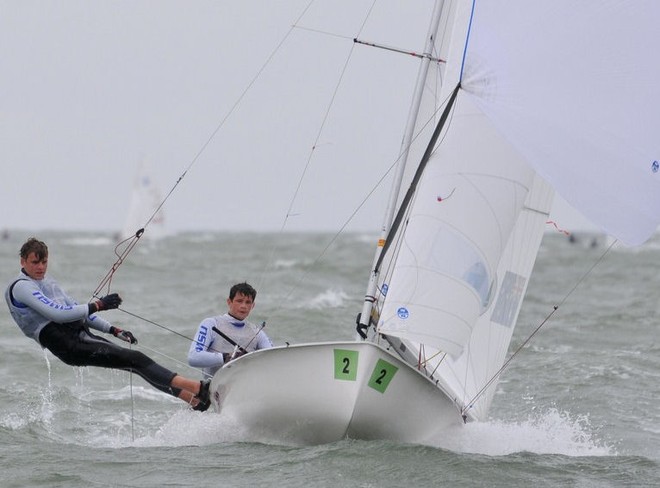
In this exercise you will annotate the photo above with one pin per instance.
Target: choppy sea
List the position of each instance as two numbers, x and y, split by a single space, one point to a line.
577 407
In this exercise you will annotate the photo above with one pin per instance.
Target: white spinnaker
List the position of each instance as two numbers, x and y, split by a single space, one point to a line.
587 127
572 86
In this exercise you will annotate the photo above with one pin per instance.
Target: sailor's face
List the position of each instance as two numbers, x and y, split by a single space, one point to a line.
241 306
35 267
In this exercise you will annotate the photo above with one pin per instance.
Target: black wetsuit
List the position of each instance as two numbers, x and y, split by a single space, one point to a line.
45 313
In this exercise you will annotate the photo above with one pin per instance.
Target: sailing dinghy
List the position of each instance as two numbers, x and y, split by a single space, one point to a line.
517 99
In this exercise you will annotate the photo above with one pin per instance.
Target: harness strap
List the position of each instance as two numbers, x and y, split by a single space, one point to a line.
16 303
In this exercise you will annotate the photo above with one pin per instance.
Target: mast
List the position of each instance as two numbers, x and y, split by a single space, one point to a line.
370 295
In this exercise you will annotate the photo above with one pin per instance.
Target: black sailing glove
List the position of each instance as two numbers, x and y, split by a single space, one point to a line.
108 302
124 335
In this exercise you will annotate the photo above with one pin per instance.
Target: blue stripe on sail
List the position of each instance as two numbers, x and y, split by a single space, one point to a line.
467 39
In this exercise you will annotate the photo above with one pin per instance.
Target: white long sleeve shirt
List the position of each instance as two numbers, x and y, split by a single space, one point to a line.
35 303
206 350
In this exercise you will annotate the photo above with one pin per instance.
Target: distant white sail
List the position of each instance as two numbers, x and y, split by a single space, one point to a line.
145 200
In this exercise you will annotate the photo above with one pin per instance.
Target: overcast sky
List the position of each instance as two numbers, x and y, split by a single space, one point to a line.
90 88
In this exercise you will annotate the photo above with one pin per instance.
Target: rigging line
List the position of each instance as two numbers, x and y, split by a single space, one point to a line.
247 88
343 227
107 279
439 362
178 361
405 213
130 383
355 211
175 360
261 327
188 338
318 31
418 174
294 197
155 323
154 350
338 233
471 403
323 123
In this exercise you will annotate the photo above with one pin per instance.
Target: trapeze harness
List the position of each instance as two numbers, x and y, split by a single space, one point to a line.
45 313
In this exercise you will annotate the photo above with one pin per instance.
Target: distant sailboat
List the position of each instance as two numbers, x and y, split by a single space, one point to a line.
529 97
145 200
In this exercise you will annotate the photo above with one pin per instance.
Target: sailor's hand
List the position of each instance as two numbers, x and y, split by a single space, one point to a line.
108 302
228 356
124 335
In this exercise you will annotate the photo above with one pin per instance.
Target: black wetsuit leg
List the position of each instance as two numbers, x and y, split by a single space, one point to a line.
76 346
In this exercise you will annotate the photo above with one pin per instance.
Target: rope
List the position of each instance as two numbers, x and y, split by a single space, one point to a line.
156 324
471 403
187 338
368 195
160 353
341 230
323 123
269 263
130 383
132 241
125 247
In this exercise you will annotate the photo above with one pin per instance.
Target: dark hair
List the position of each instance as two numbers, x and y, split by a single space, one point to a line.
34 245
243 289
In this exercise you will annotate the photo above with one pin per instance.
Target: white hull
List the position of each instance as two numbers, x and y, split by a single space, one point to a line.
324 392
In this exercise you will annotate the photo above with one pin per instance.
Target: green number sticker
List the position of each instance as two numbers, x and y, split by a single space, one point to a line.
382 375
346 363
